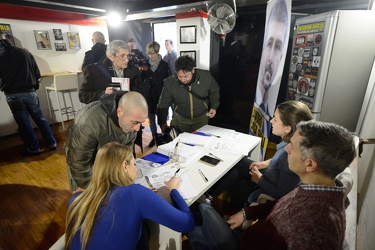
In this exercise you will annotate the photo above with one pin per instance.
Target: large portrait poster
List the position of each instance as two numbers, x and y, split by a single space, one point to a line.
275 44
7 32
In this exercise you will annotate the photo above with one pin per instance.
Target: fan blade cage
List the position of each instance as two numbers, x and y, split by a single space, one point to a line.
221 18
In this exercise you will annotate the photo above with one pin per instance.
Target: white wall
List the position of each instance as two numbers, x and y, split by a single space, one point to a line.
202 45
366 173
48 61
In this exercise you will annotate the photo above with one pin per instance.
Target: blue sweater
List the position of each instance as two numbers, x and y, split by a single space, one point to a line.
119 222
278 179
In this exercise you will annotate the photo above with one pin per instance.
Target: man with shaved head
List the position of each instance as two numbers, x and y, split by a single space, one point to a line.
115 117
97 51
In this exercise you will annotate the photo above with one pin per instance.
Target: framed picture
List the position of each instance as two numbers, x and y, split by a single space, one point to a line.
7 32
188 34
42 39
188 53
58 34
60 46
74 42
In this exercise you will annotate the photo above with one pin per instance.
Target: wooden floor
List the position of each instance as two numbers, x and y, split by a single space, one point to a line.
34 193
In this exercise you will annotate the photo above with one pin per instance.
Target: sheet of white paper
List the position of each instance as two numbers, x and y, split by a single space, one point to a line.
186 188
193 139
224 133
185 152
232 147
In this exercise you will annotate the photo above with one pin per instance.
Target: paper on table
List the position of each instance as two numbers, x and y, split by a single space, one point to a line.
185 152
232 147
193 139
216 131
186 188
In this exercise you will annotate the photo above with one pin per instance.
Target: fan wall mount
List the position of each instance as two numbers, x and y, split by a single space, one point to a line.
222 18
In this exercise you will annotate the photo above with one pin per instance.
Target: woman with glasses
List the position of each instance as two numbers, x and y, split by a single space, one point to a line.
153 75
99 77
109 213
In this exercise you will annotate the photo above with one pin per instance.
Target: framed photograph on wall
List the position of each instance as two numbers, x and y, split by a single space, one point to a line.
60 46
58 34
74 42
191 53
42 39
188 34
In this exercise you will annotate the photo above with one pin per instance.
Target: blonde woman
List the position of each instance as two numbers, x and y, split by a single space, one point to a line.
109 213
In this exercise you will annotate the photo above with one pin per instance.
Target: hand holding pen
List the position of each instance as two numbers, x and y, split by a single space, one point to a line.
173 183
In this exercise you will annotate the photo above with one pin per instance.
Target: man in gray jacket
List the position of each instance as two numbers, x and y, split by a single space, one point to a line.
115 117
193 94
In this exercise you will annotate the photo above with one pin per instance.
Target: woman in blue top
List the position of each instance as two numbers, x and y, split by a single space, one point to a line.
109 213
273 176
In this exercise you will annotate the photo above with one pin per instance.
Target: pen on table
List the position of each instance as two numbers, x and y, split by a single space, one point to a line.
175 173
212 134
215 156
148 181
203 176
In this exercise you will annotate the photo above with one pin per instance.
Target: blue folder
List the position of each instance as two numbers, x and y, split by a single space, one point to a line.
156 157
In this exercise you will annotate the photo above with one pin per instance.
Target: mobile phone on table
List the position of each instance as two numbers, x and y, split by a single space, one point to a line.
209 160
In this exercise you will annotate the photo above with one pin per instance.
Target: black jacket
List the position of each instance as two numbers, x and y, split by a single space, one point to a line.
18 71
94 55
155 82
95 81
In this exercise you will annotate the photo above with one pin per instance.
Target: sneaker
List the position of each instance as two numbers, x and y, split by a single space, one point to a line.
51 148
28 152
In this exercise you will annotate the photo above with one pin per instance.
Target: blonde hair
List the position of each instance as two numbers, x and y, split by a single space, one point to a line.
107 173
153 47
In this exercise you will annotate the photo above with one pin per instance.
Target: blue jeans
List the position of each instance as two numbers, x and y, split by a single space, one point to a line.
214 232
22 105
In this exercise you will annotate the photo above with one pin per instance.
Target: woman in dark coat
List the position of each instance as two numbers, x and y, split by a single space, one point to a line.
153 75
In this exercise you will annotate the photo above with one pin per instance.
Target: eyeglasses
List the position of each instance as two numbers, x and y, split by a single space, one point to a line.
123 57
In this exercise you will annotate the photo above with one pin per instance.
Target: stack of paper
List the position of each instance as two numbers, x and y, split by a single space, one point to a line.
185 152
194 139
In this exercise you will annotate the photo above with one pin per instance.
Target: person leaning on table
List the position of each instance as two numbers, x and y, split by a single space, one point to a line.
193 94
312 216
115 117
109 213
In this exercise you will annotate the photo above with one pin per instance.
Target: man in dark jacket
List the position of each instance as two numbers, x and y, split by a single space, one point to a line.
19 79
193 94
99 77
115 117
97 51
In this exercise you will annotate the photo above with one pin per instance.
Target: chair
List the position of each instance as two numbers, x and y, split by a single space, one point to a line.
63 83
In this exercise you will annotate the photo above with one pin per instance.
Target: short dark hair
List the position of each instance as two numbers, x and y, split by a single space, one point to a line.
330 145
184 63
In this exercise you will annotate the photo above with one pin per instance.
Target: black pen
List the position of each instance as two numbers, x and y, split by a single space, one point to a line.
203 176
215 156
175 173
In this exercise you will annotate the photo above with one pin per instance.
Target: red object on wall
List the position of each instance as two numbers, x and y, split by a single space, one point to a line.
43 15
198 13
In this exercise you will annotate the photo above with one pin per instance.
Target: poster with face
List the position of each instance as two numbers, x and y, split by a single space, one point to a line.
275 45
